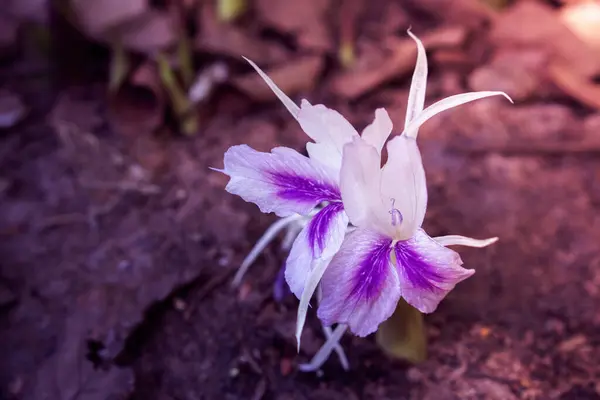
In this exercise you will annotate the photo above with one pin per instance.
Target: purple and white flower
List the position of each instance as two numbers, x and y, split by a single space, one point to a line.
301 190
359 271
389 256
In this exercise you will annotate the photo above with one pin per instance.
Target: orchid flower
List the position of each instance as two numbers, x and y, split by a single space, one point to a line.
389 256
301 190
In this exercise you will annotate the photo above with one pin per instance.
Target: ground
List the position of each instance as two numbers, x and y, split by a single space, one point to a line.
118 250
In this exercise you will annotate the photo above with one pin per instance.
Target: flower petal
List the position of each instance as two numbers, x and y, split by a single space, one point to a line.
360 286
446 104
457 240
379 130
332 343
321 238
287 102
418 86
359 184
329 129
283 181
427 271
264 240
403 187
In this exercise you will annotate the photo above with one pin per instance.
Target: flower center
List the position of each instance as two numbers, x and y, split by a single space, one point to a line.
396 214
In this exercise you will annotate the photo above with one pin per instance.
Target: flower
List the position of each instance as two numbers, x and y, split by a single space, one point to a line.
294 186
389 256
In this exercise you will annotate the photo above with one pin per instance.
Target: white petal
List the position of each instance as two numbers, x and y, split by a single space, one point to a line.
418 86
329 129
379 130
360 178
264 240
403 187
332 225
457 240
284 181
446 104
287 102
325 350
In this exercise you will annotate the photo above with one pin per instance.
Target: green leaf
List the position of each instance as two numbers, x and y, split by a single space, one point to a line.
403 334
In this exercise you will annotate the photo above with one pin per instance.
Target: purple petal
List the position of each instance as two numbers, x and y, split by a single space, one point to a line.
283 181
360 286
321 238
427 271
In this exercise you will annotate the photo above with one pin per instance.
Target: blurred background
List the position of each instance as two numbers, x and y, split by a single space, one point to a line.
118 244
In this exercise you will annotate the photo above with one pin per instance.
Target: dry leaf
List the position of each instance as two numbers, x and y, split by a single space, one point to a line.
305 19
97 17
139 106
229 40
534 24
467 13
378 64
516 72
575 85
583 18
133 22
150 32
295 76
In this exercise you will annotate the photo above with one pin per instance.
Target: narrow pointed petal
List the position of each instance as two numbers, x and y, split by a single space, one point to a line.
427 271
284 181
418 86
403 187
321 238
446 104
323 354
329 129
360 286
457 240
336 347
379 130
264 240
287 102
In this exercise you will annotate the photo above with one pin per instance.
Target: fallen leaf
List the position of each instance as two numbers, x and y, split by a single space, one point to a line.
97 17
516 72
583 18
229 40
573 343
377 64
575 85
467 13
403 334
374 67
295 76
304 19
139 105
535 24
148 33
133 22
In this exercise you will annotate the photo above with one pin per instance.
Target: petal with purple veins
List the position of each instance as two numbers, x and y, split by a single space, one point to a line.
321 238
427 271
360 286
283 181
